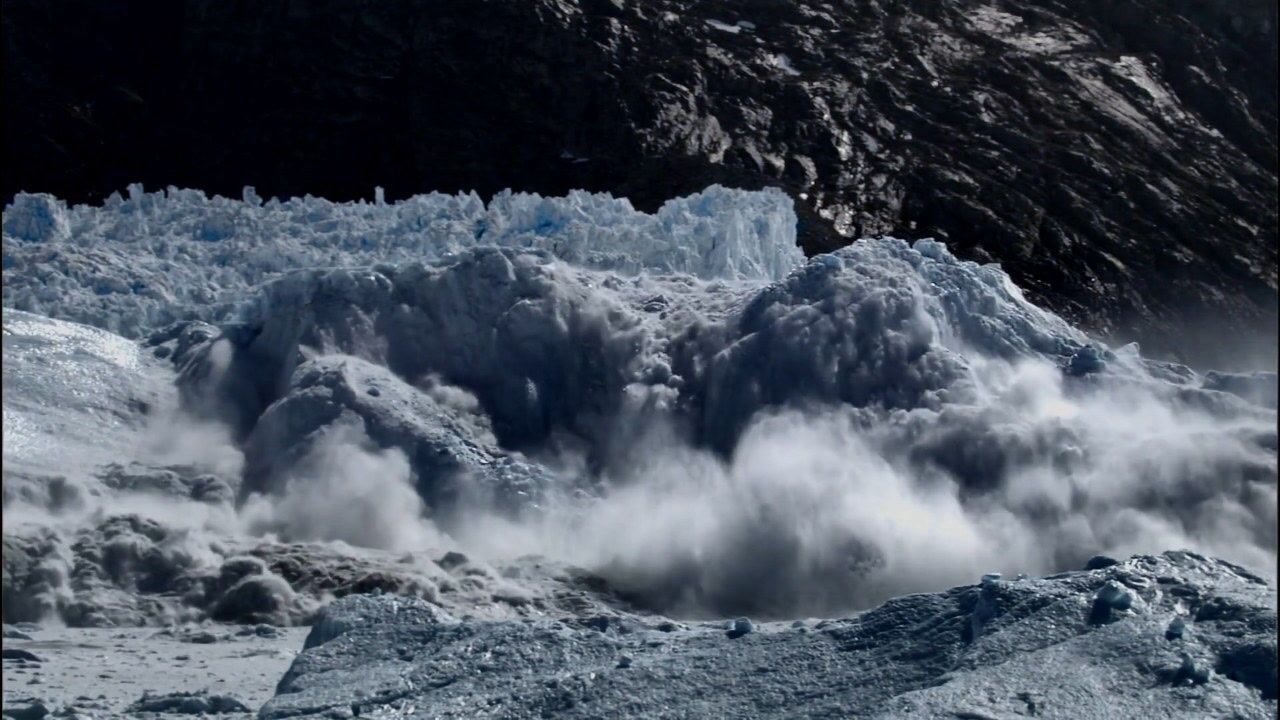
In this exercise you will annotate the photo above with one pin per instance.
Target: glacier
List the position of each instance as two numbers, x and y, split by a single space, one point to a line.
140 262
677 402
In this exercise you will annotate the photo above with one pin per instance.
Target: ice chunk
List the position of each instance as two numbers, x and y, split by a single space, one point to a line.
1098 562
739 627
188 703
37 219
1085 361
1193 672
783 63
1115 595
1110 597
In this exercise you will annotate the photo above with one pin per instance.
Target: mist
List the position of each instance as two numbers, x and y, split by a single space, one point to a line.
345 489
820 511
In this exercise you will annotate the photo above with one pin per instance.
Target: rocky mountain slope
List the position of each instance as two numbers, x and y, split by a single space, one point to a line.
1119 158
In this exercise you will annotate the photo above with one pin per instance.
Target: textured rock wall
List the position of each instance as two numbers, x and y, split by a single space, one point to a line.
1118 157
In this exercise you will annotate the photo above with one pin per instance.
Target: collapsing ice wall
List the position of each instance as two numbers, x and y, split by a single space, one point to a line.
678 401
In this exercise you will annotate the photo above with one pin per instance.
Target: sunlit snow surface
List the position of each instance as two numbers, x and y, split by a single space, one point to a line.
680 401
72 393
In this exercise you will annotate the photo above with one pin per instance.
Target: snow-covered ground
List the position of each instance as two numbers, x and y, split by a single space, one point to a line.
102 672
553 409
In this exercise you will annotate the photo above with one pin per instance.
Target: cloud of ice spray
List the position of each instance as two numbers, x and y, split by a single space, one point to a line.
139 528
820 511
88 541
805 518
345 489
180 439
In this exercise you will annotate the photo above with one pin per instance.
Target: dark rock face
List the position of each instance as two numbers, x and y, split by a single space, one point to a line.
1118 157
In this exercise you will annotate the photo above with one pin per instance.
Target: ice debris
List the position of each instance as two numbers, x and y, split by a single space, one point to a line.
1098 562
1110 597
189 703
28 710
12 653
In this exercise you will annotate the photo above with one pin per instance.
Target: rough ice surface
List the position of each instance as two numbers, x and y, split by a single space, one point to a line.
561 408
914 657
140 262
146 664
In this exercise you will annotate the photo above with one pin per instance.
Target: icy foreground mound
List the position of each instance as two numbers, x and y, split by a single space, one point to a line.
136 264
1176 635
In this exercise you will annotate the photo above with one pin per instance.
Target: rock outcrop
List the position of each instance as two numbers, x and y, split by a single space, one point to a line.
1119 158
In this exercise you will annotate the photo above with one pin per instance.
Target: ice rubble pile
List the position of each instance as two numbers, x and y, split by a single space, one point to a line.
138 263
545 345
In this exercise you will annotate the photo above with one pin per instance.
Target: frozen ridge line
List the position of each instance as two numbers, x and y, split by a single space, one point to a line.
140 262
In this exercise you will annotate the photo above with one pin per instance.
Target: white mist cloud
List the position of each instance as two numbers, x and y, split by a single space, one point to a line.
181 439
829 510
805 518
345 489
